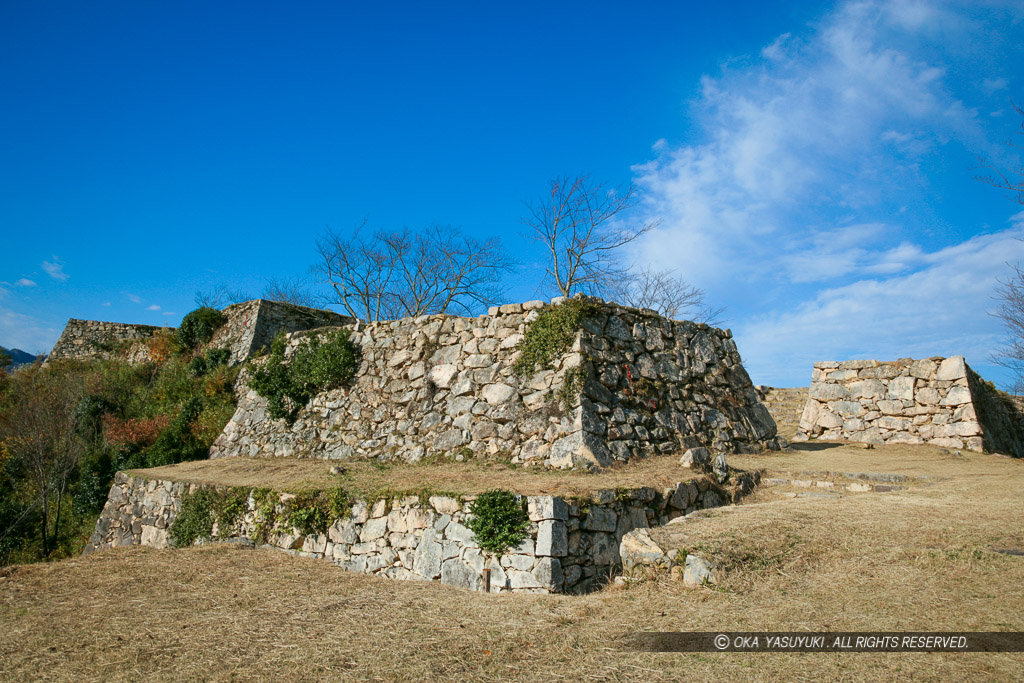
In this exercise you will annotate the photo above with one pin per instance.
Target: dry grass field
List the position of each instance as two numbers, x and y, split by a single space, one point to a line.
922 558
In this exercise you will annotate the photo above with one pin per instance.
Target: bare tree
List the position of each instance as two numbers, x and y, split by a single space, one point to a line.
289 291
386 275
665 292
1010 294
1012 180
219 297
582 225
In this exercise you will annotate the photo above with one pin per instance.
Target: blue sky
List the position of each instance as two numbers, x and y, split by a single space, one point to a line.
812 166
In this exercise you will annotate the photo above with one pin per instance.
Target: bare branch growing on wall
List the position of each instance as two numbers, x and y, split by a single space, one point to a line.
582 226
289 291
665 292
395 274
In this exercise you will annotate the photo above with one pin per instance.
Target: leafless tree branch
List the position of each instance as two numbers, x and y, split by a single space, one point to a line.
1012 180
582 227
388 275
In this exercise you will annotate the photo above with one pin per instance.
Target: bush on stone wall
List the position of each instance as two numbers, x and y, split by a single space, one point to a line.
499 520
550 336
318 364
198 327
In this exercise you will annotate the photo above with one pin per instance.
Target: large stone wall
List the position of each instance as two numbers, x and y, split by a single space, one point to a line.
572 546
939 401
96 339
252 325
444 385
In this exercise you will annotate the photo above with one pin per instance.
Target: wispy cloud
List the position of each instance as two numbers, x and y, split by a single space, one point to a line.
55 269
105 304
25 282
20 331
793 201
152 307
133 298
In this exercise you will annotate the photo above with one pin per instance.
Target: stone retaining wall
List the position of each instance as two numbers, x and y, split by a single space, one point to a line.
444 385
939 401
573 546
251 325
96 339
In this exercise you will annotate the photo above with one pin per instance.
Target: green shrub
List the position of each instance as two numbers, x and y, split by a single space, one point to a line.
498 521
214 358
195 518
198 327
316 366
177 443
550 335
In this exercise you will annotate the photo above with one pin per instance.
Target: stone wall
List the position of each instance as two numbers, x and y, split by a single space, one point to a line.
573 546
444 385
251 325
908 401
95 339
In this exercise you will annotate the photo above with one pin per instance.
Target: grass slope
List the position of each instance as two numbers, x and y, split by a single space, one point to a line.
920 559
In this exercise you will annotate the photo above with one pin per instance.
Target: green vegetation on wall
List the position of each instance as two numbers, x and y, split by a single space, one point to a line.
498 520
198 327
318 364
550 336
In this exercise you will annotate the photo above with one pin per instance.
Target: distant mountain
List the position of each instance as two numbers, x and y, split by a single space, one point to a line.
19 357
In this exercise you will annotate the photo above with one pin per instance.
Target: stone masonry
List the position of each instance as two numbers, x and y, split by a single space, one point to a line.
444 385
252 325
96 339
938 401
573 545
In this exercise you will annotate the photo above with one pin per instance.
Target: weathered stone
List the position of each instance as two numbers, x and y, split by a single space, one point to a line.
696 458
454 572
552 539
547 507
497 393
699 571
639 549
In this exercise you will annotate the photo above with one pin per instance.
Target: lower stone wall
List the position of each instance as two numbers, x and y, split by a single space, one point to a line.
1000 415
573 544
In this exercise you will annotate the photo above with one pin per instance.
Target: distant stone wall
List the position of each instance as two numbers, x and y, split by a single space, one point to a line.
572 547
908 401
252 325
95 339
444 385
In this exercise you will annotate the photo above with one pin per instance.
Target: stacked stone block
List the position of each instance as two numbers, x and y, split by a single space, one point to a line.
573 545
935 400
444 385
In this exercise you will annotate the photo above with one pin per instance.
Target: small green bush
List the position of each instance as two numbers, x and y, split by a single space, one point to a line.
550 335
213 359
195 518
177 443
317 365
498 520
198 327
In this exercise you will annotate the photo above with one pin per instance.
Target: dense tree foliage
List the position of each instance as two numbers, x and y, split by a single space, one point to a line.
67 427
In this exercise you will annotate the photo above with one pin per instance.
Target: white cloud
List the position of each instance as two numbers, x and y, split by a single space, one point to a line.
799 208
55 269
19 331
105 304
25 282
939 310
153 307
169 313
133 298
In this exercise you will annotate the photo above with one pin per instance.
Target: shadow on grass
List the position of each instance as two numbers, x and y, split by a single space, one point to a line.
815 445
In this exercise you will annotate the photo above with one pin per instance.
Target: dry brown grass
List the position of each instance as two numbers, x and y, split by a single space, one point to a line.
921 559
470 477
